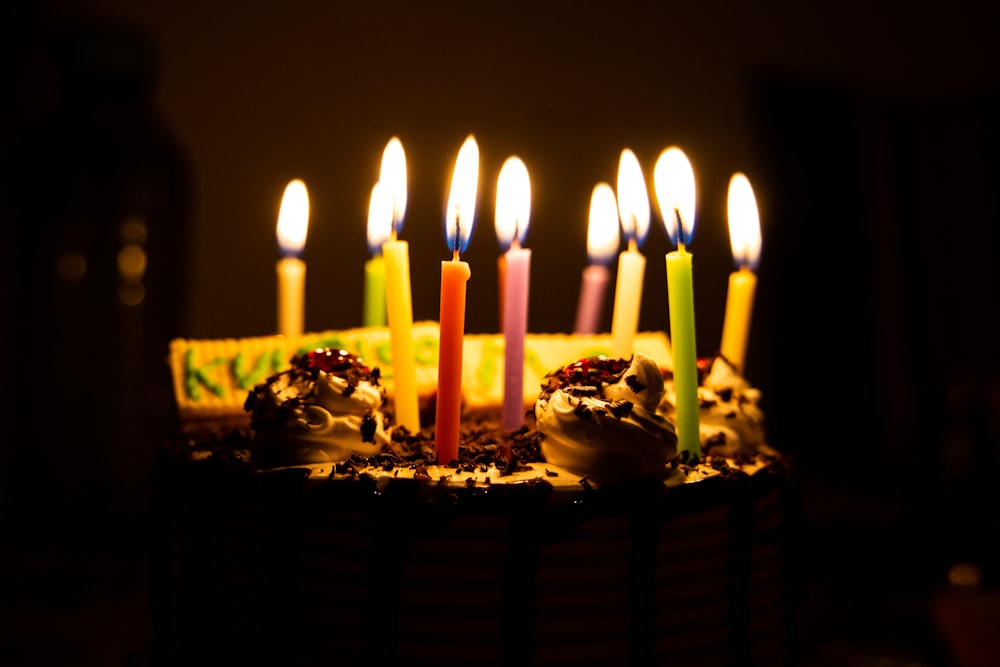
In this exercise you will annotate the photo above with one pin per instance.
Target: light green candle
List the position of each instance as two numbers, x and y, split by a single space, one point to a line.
680 293
374 307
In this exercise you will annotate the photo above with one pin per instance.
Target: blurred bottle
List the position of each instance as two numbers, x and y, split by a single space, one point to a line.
99 238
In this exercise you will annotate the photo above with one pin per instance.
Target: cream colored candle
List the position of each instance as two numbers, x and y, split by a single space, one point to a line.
293 224
633 211
745 239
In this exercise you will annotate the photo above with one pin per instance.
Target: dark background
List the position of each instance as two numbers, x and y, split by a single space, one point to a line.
868 131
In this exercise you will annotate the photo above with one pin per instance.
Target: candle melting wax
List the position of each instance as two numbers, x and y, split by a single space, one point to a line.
458 221
513 210
293 224
675 192
633 210
399 301
603 238
745 239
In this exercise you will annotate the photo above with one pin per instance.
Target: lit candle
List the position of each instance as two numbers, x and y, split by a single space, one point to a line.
399 302
633 209
603 238
674 182
379 231
293 223
744 237
512 214
458 219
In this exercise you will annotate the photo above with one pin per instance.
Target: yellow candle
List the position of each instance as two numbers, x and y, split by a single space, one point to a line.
674 182
399 308
745 239
633 211
399 302
293 224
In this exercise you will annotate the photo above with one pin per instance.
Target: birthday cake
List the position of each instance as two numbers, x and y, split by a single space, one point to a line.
303 526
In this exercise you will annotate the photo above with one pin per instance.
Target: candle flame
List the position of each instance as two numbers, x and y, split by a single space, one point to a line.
461 210
673 179
603 237
633 200
293 218
513 203
379 218
744 223
393 174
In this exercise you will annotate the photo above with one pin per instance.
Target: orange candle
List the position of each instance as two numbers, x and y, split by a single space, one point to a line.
459 217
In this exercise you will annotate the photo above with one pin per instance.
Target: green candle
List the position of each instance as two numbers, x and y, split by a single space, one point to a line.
674 183
374 312
680 294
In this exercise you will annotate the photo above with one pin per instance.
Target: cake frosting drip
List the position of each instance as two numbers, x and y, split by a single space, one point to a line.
326 407
598 417
730 418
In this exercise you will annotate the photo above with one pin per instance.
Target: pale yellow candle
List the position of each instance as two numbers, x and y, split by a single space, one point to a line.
293 224
633 211
628 296
745 239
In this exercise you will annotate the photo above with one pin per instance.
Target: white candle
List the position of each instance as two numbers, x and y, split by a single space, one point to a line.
293 223
633 210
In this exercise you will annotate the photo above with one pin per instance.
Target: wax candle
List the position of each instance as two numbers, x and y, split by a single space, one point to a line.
379 231
603 238
459 217
513 211
293 224
633 211
675 193
745 239
399 301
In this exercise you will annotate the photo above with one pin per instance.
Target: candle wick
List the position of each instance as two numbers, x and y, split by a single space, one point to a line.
458 234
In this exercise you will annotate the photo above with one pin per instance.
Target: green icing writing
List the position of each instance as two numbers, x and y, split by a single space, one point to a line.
487 369
194 377
268 362
426 351
534 363
333 341
596 352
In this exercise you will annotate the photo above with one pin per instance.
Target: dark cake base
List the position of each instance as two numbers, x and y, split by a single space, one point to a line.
282 568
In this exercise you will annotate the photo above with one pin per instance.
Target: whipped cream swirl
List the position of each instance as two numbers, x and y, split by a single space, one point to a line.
324 408
731 421
598 418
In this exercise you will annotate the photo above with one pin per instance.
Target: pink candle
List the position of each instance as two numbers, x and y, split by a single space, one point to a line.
602 242
512 214
455 274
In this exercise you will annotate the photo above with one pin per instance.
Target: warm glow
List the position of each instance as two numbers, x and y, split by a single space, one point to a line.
393 175
633 200
379 218
293 218
513 203
603 237
673 180
744 223
461 210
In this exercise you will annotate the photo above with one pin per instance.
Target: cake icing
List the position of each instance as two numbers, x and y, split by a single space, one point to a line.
598 418
731 421
325 407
